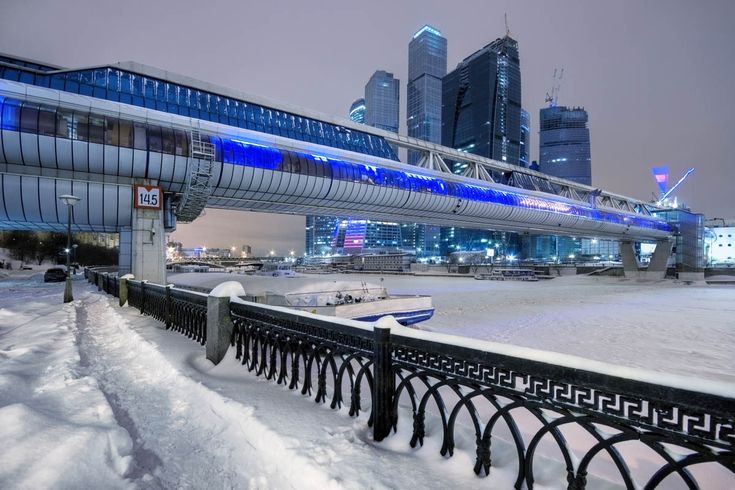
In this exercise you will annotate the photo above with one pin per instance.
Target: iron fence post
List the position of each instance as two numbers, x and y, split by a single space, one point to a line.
167 307
384 383
142 297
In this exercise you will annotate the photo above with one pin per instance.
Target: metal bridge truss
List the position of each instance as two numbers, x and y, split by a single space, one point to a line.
436 157
198 186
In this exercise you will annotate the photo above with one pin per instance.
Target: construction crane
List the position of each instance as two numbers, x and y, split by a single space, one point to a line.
553 97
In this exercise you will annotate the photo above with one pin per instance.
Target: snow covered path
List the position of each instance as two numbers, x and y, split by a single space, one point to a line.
95 396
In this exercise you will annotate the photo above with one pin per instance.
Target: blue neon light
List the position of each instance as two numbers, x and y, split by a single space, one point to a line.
427 28
244 153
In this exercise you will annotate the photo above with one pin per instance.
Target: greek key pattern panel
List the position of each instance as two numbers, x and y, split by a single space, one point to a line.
650 414
311 331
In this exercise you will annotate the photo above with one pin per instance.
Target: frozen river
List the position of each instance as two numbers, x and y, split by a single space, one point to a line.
665 326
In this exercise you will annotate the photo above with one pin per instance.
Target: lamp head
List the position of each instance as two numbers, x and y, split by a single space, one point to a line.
68 199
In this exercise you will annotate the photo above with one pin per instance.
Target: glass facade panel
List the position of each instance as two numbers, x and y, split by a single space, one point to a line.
47 121
140 141
29 118
112 131
154 138
65 124
168 144
182 142
126 133
10 114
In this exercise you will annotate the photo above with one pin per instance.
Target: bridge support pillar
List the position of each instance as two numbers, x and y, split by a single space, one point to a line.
656 267
143 247
630 261
659 260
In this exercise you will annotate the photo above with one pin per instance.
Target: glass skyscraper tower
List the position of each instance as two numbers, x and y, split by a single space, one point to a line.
525 159
564 143
427 65
481 114
382 101
481 104
357 111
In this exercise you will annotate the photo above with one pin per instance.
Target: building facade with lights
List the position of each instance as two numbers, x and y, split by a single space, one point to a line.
382 99
427 65
564 143
481 114
481 104
525 149
357 111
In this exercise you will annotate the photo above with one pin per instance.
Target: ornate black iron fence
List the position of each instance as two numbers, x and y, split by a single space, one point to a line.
518 412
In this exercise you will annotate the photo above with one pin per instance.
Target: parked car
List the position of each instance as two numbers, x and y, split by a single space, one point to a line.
26 267
54 274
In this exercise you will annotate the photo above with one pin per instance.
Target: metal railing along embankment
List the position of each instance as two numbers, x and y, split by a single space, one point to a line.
515 408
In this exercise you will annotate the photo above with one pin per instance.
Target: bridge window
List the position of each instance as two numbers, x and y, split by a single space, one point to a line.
140 141
65 123
168 145
47 121
126 133
112 131
11 115
29 118
154 138
96 129
182 142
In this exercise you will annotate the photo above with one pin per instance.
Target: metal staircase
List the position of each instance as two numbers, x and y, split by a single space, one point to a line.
198 187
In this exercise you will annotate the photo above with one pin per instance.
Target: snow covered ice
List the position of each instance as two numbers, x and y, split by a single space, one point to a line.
97 396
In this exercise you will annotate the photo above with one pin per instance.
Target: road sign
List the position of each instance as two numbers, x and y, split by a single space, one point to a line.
147 196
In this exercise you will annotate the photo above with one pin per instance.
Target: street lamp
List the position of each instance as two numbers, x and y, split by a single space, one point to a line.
70 201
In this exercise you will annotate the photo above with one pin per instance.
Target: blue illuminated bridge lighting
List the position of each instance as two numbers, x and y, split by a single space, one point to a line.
239 152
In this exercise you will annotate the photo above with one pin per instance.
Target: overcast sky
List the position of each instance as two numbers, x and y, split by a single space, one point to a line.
656 77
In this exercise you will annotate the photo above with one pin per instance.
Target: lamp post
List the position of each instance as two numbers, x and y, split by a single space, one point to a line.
70 201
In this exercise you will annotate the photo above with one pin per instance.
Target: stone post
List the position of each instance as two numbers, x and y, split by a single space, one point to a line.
219 321
123 292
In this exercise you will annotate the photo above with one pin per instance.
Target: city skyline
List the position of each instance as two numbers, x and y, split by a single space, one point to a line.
654 81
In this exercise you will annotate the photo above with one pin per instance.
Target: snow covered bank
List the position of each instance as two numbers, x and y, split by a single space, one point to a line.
97 396
669 327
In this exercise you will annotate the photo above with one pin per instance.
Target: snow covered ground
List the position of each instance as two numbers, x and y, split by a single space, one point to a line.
665 326
97 396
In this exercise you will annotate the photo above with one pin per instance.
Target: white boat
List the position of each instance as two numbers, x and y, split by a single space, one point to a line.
344 299
508 275
277 269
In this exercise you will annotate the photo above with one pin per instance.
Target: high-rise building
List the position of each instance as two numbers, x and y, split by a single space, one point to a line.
357 111
427 65
564 143
318 237
481 114
564 151
358 235
525 158
481 104
382 101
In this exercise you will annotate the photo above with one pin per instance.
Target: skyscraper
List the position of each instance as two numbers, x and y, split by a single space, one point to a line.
427 64
382 101
564 143
318 236
525 158
357 111
481 104
481 114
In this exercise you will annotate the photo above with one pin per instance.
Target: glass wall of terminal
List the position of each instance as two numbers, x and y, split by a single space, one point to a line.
145 91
